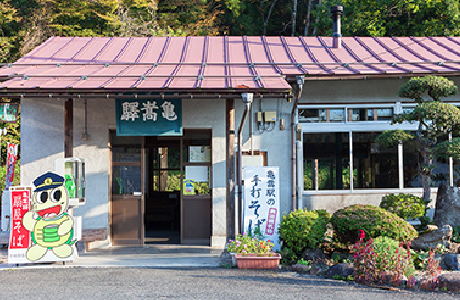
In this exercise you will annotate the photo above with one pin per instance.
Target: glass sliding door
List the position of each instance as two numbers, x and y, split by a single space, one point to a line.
127 192
196 189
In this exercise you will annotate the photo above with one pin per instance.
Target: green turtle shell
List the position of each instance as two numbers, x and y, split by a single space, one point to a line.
45 232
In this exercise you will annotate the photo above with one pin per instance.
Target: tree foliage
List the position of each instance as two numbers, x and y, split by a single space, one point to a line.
434 86
25 24
437 120
391 17
391 138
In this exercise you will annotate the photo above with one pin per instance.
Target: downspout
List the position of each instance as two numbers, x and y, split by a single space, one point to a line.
247 100
298 94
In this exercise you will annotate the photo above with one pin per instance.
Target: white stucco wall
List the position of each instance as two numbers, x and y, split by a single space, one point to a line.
95 152
359 91
276 142
331 201
42 136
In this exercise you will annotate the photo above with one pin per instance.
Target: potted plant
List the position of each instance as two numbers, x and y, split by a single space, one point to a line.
252 253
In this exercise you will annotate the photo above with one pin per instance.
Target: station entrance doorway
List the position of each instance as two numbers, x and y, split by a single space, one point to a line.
161 189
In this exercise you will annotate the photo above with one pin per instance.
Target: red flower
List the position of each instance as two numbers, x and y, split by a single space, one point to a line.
362 234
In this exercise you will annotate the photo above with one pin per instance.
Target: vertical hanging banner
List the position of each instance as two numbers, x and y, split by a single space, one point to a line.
261 207
149 117
11 160
41 228
19 236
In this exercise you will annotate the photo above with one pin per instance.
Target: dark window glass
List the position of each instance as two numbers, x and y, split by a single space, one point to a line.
326 161
412 160
126 155
375 166
371 114
384 114
440 172
312 115
126 180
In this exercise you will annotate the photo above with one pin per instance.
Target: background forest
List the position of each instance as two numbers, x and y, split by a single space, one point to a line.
24 24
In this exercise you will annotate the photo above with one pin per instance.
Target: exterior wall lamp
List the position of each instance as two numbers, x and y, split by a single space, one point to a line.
247 97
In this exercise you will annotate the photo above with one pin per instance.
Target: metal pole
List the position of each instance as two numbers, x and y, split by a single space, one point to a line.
247 99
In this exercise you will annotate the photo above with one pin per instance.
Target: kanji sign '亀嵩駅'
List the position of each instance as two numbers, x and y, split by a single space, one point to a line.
148 117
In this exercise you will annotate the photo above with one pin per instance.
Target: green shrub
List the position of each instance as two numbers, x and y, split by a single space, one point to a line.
404 205
385 248
373 220
303 229
456 234
382 256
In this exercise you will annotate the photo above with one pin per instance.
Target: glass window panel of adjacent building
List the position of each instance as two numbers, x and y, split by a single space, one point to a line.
328 134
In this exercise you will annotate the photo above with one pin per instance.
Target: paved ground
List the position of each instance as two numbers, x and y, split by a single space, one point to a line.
200 283
169 271
158 256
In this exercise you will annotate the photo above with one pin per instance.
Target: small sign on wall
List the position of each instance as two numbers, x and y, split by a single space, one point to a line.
9 112
261 207
149 117
188 187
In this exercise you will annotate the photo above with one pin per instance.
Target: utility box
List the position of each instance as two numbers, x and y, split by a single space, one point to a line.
73 170
270 116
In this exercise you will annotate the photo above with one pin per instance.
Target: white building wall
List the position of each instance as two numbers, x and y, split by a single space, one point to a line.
95 151
332 202
275 141
359 91
42 136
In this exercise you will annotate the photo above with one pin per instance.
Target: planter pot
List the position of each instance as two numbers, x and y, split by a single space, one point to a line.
252 261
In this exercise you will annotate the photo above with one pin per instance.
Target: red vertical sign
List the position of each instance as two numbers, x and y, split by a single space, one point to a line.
271 222
20 204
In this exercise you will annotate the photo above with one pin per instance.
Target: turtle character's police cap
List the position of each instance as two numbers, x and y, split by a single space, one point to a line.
48 181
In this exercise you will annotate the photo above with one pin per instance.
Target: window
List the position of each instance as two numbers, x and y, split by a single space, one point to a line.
375 166
327 152
197 163
412 159
338 115
384 114
326 161
312 115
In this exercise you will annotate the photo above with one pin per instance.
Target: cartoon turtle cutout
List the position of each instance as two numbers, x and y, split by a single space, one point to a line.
50 226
